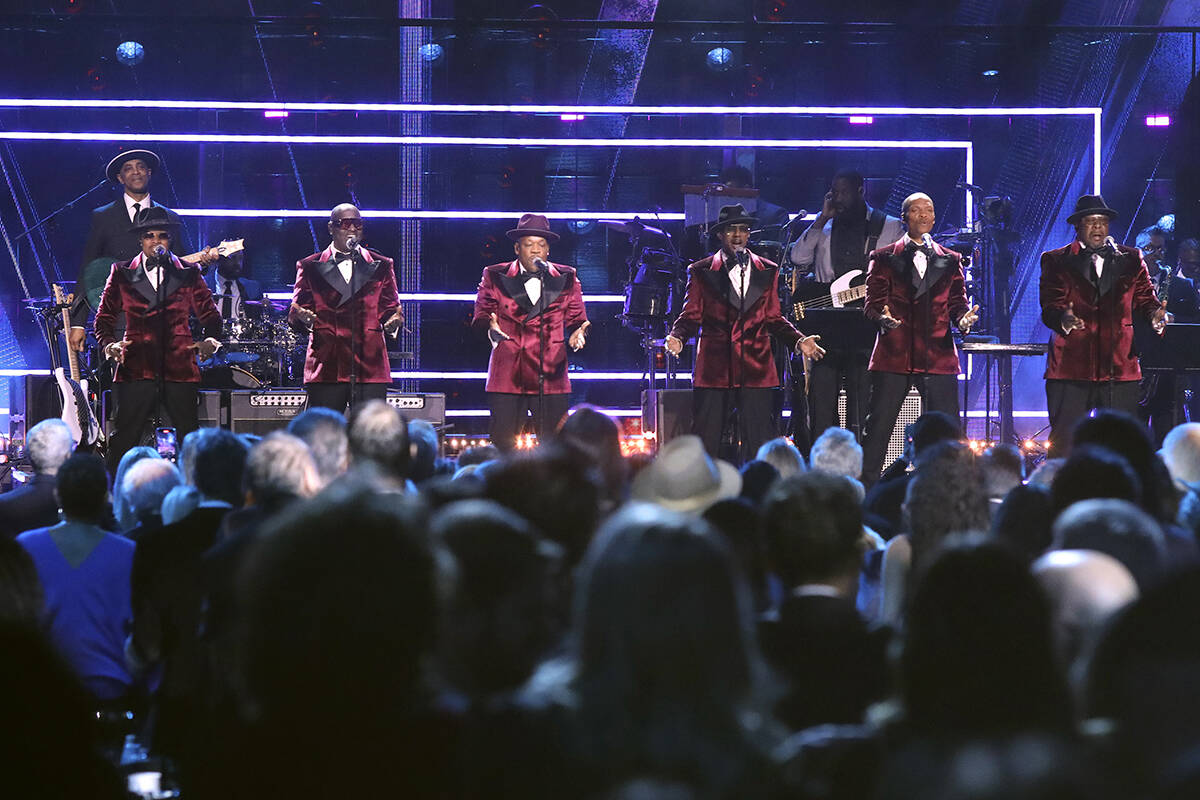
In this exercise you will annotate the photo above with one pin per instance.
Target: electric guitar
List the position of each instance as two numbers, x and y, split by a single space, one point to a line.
95 274
841 294
77 409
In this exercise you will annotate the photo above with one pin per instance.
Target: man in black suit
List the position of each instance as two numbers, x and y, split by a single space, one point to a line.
834 665
33 505
231 288
110 238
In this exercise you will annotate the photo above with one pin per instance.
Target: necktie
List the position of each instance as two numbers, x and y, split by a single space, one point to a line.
136 208
227 300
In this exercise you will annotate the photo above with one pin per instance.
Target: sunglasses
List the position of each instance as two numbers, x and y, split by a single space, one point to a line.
348 223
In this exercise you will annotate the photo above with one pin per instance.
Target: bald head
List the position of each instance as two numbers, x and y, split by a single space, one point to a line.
1085 588
1181 453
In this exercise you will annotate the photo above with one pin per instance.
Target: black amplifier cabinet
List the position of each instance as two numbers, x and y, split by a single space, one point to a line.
260 412
430 407
31 399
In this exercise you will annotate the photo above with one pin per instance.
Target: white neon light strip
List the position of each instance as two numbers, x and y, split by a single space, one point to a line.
461 108
476 141
17 373
1095 151
280 213
575 376
458 297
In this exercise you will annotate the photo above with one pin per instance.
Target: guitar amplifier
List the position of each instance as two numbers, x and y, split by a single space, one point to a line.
260 412
674 413
31 399
430 407
912 408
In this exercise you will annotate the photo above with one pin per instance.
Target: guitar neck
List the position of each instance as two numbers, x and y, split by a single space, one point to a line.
72 356
852 294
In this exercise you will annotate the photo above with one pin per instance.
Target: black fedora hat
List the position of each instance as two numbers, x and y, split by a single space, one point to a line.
533 225
154 218
114 166
1089 204
732 215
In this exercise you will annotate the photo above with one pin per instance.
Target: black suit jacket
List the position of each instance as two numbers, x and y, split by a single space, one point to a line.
28 507
109 237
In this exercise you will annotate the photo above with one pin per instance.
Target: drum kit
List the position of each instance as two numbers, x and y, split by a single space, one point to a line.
259 350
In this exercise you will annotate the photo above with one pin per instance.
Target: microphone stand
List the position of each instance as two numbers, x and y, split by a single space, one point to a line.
355 320
160 292
541 417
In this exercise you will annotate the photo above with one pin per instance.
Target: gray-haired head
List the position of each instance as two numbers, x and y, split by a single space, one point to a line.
143 489
324 431
280 468
837 452
783 456
49 444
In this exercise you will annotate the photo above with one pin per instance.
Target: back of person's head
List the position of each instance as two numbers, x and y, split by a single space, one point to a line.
81 487
143 489
1181 453
21 597
1023 520
1044 474
737 175
946 495
1128 437
187 454
837 452
280 469
324 431
757 479
1093 471
48 445
598 437
1003 468
555 488
813 526
480 454
220 462
740 522
180 501
498 625
931 428
781 454
378 436
662 644
1085 588
1118 528
424 439
337 603
132 456
978 652
1142 678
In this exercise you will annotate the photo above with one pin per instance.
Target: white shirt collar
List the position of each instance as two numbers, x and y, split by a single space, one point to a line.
142 204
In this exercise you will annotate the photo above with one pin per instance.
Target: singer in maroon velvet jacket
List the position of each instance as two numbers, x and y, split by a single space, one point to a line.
513 366
923 342
347 314
185 293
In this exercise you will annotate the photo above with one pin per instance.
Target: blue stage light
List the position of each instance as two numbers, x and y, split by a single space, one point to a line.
431 53
719 59
130 53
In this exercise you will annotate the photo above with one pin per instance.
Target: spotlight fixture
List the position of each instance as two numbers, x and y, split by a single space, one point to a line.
990 73
719 59
431 53
1158 121
582 226
130 53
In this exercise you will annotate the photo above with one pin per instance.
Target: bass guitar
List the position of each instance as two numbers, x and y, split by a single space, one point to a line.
840 294
77 408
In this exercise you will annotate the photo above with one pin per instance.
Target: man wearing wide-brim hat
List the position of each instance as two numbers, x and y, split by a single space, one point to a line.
155 357
732 303
1089 292
109 237
532 310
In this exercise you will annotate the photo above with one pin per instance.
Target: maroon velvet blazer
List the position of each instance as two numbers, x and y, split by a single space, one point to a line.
350 316
1104 348
513 366
734 346
184 293
926 309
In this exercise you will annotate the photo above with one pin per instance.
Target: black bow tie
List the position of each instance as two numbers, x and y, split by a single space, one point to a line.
914 247
1103 251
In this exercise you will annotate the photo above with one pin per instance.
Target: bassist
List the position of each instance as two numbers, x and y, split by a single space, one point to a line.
838 242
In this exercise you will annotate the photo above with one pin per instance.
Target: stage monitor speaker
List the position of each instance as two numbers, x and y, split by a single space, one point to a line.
430 407
674 413
31 399
210 413
913 407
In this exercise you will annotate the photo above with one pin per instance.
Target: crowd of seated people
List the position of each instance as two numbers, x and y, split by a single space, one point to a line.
336 610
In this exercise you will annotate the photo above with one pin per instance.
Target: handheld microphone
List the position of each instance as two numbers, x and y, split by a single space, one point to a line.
927 240
160 251
1110 244
351 243
541 264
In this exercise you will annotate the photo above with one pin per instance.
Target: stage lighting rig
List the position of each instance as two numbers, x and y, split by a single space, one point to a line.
719 59
130 53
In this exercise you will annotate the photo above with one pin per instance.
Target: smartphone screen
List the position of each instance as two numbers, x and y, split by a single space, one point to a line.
164 442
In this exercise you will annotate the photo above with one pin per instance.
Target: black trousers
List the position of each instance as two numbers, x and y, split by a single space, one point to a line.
509 412
337 395
748 412
825 378
1067 402
137 409
888 390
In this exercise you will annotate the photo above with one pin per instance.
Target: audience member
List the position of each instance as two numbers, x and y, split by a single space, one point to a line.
1003 468
338 618
816 638
781 454
126 521
425 459
145 487
21 598
683 477
480 454
498 623
599 437
48 445
1181 454
887 496
84 571
1043 475
740 522
837 452
1093 471
1118 528
1129 437
377 437
1023 521
757 479
324 431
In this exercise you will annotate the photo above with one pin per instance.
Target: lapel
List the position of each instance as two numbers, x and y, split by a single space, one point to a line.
173 279
1114 267
327 268
936 266
552 286
514 287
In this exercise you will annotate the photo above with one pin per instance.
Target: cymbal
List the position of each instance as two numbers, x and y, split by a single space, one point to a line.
633 227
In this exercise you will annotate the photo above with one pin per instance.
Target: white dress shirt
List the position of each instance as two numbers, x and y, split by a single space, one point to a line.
920 260
345 263
142 204
739 275
1097 261
153 273
533 288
